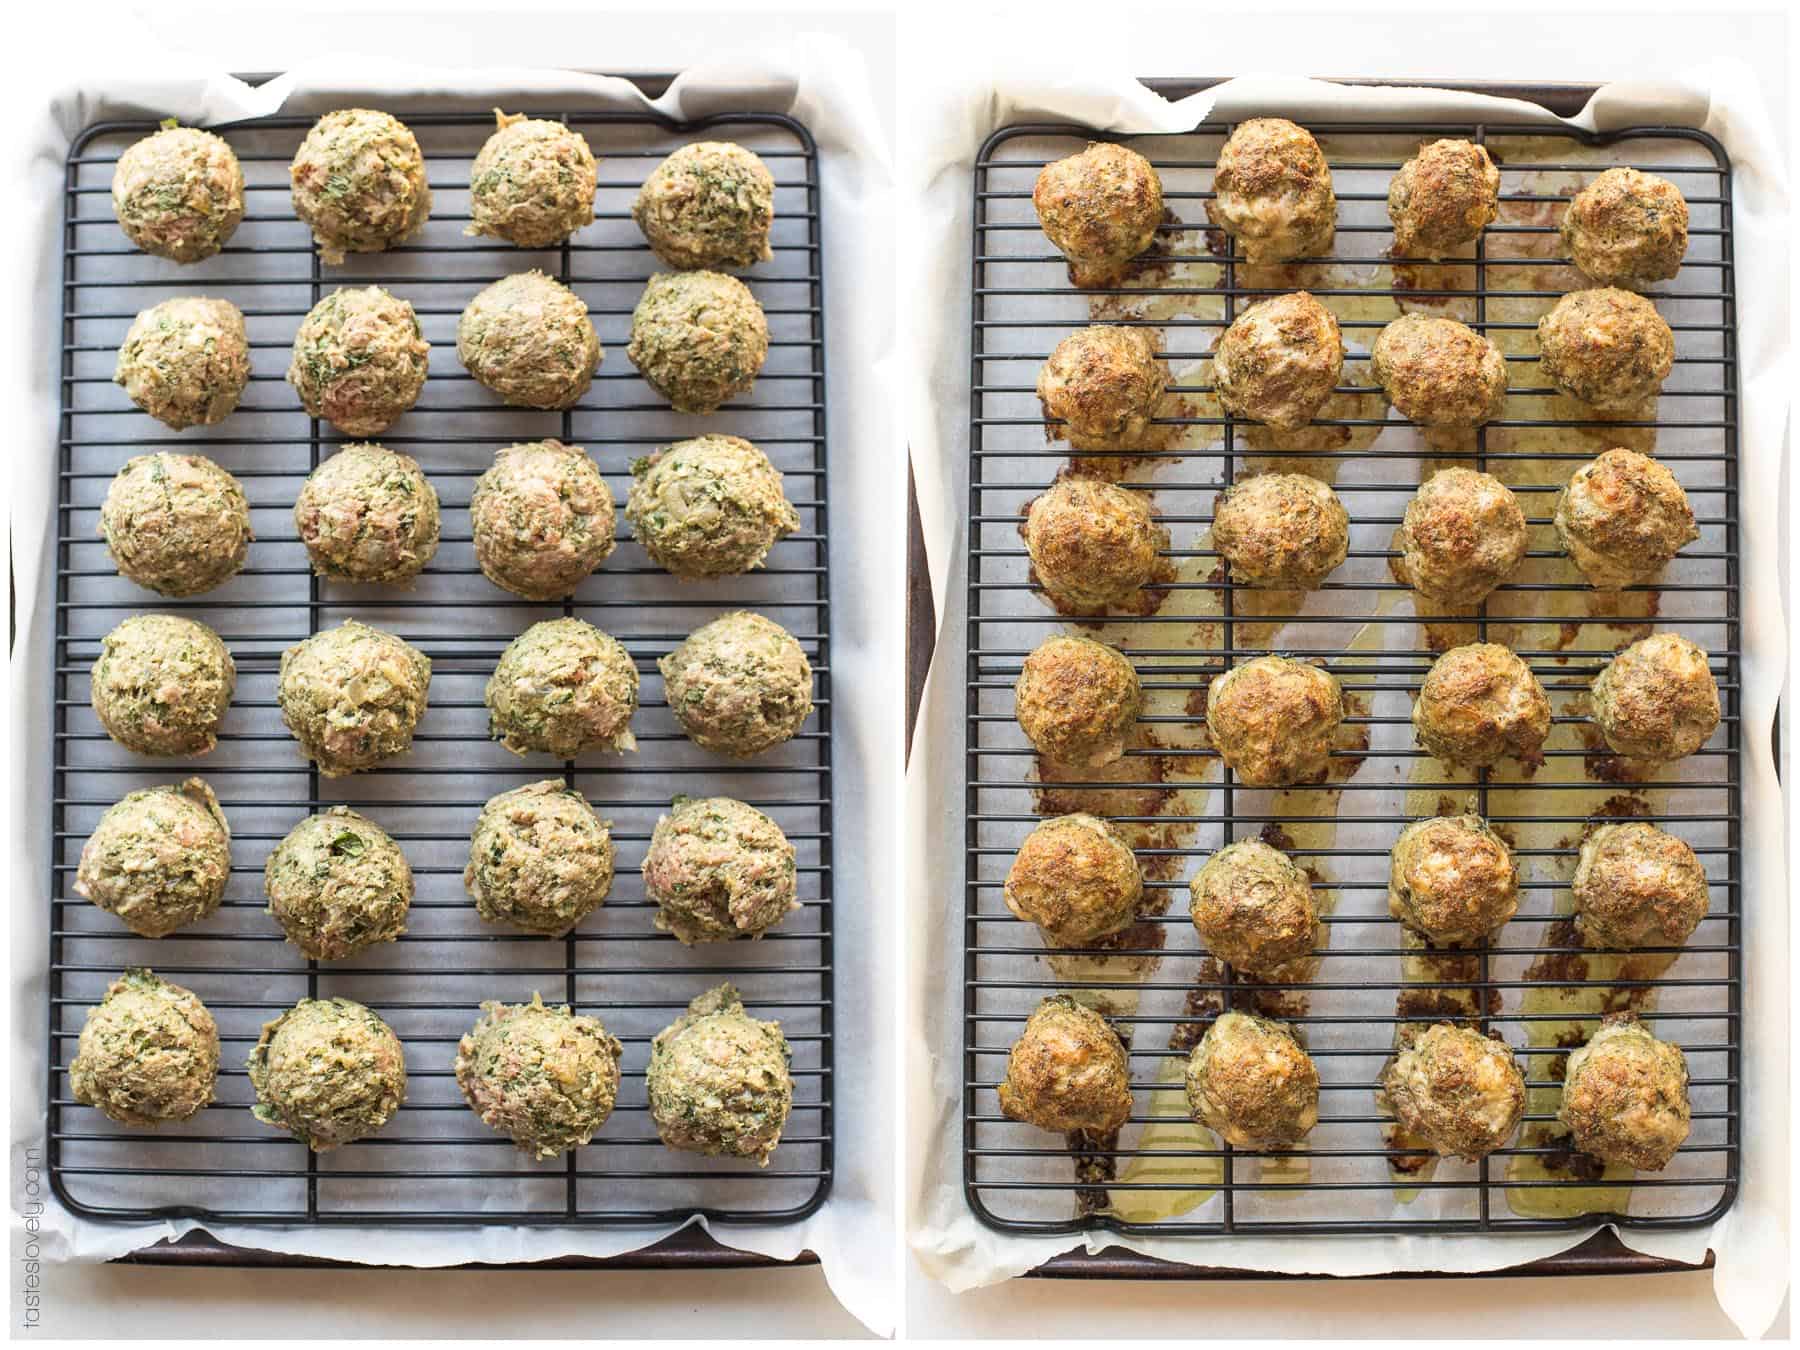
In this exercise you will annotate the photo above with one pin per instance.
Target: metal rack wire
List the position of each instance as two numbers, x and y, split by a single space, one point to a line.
436 1163
1535 985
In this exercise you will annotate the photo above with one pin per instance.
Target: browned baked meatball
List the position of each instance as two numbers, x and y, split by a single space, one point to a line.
1272 720
1638 886
1100 206
1104 383
1459 1091
1463 534
1273 192
1627 228
1253 907
1076 699
1453 880
1067 1071
1443 197
1286 529
1091 543
1622 518
1250 1080
1439 373
1609 348
1279 361
1076 879
1625 1097
1480 704
1657 699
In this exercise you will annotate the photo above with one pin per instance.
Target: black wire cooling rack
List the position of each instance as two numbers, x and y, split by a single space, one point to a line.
436 1163
1534 985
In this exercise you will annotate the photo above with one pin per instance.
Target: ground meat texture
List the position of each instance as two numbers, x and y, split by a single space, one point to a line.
1101 206
1453 880
1462 535
533 182
1253 907
1273 192
352 696
338 884
739 685
1439 373
176 524
162 684
1076 878
1622 518
543 519
1251 1081
718 1080
1625 1096
698 339
368 514
148 1053
159 859
186 361
1076 700
710 204
1092 543
329 1072
540 859
359 360
528 338
1609 348
1657 700
1067 1071
1104 384
1480 704
1638 886
1280 361
1442 198
359 184
1281 529
1460 1091
1272 719
563 687
1627 228
719 869
179 194
543 1077
708 507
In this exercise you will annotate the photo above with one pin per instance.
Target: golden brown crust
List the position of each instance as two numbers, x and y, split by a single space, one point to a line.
1250 1080
1092 543
1067 1071
1076 699
1627 228
1280 361
1254 908
1442 197
1439 373
1273 192
1458 1090
1625 1096
1480 704
1638 886
1100 206
1273 719
1453 880
1657 699
1607 347
1103 383
1622 518
1076 879
1281 528
1463 534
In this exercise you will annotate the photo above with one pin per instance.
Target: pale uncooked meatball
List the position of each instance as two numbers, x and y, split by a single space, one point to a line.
1657 699
186 361
563 688
1067 1071
1274 194
1462 535
739 685
352 696
159 859
540 859
1281 529
148 1053
176 524
179 194
1452 880
1622 518
1627 228
542 518
360 360
712 506
1440 373
710 204
1253 907
1443 197
1460 1091
1625 1096
528 338
719 869
338 884
1609 348
359 183
1480 704
1638 886
162 684
1251 1081
543 1077
1077 699
1076 878
1104 384
329 1072
368 514
533 182
1092 543
718 1080
698 338
1280 361
1101 206
1272 719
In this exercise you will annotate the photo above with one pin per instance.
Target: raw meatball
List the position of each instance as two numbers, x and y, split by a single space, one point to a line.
533 182
1104 384
329 1072
1622 518
1657 699
543 1077
540 859
1627 228
186 361
1443 197
528 338
710 204
718 869
1272 720
543 519
149 1053
1439 373
739 685
1076 878
698 339
719 1081
1608 348
338 884
1480 704
1077 699
1463 534
1274 193
368 514
179 194
1251 1081
1091 543
1638 886
1460 1091
1279 361
359 360
1284 529
159 859
352 696
162 684
563 687
1067 1071
1101 206
359 183
1453 880
176 524
1625 1097
708 507
1253 907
